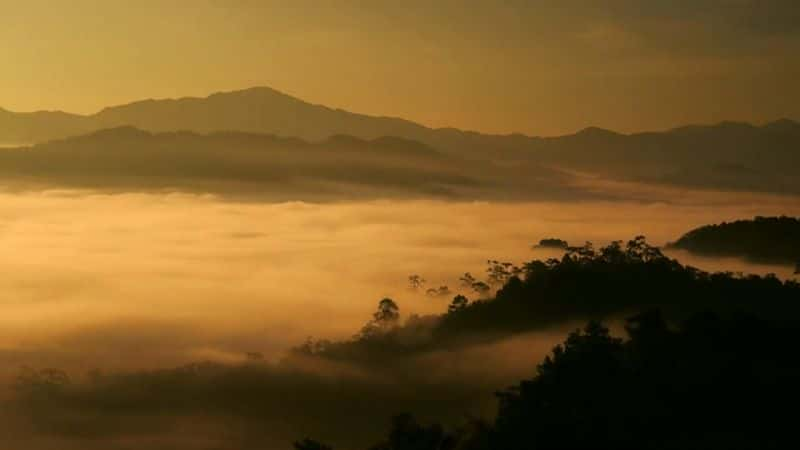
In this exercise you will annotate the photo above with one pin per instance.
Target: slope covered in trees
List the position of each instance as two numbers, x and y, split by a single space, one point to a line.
608 283
763 239
713 383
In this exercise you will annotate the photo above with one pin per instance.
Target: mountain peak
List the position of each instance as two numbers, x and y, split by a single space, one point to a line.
255 91
258 93
596 132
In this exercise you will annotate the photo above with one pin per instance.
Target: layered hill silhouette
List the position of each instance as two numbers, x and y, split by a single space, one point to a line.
236 162
726 156
270 167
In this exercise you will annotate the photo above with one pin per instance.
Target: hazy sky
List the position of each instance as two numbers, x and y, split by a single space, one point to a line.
540 67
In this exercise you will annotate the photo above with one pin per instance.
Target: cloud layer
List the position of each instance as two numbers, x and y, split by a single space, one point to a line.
140 280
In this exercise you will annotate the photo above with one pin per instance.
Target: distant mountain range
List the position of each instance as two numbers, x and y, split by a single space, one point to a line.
727 156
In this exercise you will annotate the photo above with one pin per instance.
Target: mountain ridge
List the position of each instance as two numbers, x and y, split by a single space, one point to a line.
255 99
728 155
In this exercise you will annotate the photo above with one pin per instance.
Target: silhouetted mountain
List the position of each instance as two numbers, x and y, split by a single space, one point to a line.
729 155
242 163
272 167
256 110
23 128
763 239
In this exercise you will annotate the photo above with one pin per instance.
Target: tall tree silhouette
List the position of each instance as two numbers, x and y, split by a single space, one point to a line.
384 319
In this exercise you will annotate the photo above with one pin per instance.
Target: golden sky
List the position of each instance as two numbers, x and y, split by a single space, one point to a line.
543 68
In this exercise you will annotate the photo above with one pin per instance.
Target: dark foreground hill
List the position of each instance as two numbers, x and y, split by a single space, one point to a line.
715 368
763 239
711 383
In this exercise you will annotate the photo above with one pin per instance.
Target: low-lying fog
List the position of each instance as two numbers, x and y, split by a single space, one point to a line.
146 280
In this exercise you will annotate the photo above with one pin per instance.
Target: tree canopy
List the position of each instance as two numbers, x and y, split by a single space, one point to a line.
763 239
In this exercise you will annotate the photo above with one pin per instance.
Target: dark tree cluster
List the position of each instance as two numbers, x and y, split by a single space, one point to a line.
469 282
613 281
441 291
415 282
552 243
499 272
763 239
587 283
